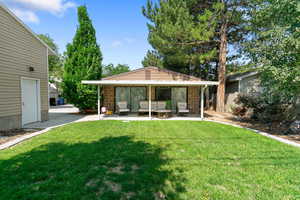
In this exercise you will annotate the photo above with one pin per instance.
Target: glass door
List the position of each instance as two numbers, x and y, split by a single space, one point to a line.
179 94
123 94
132 95
137 94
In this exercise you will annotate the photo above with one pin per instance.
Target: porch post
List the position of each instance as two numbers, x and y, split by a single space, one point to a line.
202 101
149 99
99 103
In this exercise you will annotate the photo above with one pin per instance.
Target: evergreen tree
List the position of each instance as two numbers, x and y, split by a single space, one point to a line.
193 35
83 62
110 69
152 58
178 34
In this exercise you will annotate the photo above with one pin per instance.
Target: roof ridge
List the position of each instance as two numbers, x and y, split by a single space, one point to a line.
153 67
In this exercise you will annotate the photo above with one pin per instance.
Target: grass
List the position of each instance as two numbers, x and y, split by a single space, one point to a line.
150 160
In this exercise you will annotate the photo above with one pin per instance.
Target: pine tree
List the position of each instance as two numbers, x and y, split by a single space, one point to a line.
83 62
179 34
152 58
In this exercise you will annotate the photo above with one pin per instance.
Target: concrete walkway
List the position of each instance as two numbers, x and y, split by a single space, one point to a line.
58 115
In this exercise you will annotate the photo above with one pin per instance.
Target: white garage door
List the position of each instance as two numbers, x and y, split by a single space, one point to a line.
30 101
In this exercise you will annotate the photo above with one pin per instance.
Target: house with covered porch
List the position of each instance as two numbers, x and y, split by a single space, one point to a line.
151 90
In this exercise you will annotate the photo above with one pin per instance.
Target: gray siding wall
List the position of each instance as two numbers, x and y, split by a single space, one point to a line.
19 49
249 86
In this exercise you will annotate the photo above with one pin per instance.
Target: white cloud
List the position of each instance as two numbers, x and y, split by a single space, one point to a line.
56 7
129 40
116 43
26 16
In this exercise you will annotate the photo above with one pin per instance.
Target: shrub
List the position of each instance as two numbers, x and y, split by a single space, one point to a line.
263 109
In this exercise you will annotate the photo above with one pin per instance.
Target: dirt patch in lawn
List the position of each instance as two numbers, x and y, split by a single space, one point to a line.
275 128
6 136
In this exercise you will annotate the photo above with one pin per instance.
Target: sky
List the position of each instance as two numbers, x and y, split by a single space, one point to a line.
120 26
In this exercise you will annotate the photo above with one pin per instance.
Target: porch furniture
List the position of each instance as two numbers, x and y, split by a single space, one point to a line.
144 107
163 113
182 108
161 109
122 107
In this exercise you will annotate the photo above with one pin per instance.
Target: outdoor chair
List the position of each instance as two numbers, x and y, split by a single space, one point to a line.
122 107
153 106
161 109
182 108
144 107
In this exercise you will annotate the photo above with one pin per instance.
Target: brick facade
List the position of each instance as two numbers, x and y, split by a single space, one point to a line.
108 94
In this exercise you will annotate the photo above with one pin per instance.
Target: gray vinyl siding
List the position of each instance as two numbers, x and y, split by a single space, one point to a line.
19 49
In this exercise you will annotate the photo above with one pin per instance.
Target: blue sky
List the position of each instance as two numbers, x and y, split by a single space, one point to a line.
120 26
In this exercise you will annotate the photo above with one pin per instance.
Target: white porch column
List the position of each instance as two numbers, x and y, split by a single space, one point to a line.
99 103
149 99
202 101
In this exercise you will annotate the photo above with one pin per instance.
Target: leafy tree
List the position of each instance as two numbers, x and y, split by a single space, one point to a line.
55 61
110 69
83 62
152 58
276 48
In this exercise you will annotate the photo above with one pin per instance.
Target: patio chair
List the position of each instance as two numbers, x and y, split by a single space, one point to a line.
153 106
161 106
182 108
122 107
144 107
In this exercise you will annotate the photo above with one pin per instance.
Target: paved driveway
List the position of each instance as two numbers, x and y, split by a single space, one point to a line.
59 115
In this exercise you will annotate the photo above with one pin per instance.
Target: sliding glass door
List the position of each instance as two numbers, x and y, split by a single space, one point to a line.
173 94
132 95
137 94
179 94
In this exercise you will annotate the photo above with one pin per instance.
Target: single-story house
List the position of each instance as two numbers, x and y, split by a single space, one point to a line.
247 83
23 73
151 84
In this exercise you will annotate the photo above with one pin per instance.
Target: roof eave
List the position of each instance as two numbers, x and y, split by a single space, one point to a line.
152 83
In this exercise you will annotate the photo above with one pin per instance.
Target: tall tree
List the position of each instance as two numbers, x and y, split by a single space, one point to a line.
179 34
83 62
55 61
233 30
193 35
110 69
152 58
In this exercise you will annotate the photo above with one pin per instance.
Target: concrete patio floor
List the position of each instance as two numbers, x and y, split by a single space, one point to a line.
59 115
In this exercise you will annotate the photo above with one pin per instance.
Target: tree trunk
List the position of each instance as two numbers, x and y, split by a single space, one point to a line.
222 68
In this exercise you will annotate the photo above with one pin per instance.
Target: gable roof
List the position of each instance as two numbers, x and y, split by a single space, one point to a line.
152 73
50 51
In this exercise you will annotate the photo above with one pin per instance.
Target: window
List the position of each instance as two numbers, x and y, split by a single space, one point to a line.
163 93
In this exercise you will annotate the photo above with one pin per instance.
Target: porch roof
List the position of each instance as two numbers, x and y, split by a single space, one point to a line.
151 83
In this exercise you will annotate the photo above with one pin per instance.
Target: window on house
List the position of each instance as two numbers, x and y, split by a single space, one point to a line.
163 93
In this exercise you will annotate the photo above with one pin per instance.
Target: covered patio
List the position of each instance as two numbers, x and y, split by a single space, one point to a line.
150 85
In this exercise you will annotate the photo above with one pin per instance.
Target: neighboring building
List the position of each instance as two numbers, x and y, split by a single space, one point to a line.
53 94
159 84
241 83
23 73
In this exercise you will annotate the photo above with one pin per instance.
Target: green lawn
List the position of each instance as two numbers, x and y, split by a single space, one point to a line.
150 160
